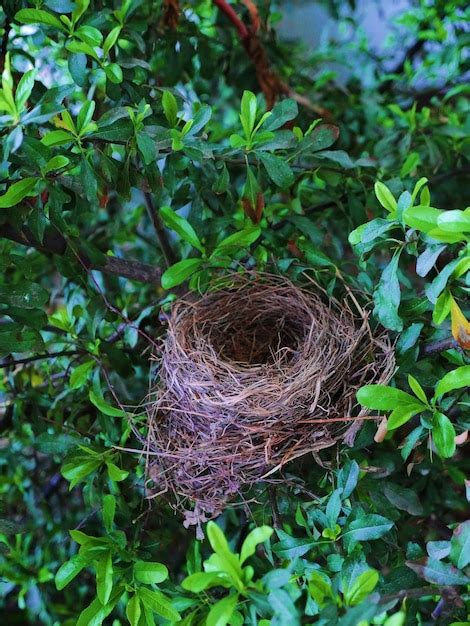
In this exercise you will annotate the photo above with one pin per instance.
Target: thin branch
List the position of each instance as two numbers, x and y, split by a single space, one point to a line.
439 346
4 44
37 357
160 231
55 243
242 30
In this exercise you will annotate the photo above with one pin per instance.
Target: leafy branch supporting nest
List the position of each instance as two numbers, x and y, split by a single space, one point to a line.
253 375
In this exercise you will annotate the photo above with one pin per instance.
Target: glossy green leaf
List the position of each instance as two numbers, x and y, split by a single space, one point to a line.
158 603
149 572
456 379
385 197
17 192
443 435
170 107
133 610
255 537
104 577
386 398
38 16
109 511
181 226
222 611
363 586
103 406
179 272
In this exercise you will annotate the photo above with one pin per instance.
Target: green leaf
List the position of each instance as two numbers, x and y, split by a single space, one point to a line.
323 136
147 147
68 570
363 586
228 561
460 545
96 613
133 610
402 414
403 498
109 511
113 72
26 295
149 572
282 112
277 169
238 241
417 188
366 233
456 379
442 307
170 108
104 407
181 226
222 611
76 471
116 473
411 163
104 577
385 197
320 588
57 138
421 217
248 111
56 163
111 40
38 16
366 528
16 192
24 89
85 115
179 272
204 580
77 67
80 374
386 398
443 435
158 603
201 118
255 537
417 389
15 338
387 297
438 573
454 221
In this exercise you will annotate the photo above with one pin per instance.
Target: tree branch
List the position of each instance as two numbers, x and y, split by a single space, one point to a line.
4 44
38 357
159 230
439 346
55 243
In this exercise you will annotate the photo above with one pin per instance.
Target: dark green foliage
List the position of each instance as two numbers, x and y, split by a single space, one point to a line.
138 159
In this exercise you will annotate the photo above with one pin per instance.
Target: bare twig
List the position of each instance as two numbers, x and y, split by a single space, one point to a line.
55 243
439 346
4 44
38 357
160 231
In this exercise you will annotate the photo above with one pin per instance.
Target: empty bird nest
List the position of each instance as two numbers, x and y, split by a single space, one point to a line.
253 374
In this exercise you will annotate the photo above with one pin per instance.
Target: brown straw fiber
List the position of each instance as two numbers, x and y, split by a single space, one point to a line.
255 373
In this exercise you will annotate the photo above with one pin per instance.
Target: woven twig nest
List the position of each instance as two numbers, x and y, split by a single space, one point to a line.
255 373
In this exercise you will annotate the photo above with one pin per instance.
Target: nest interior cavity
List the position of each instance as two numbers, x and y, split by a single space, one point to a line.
253 374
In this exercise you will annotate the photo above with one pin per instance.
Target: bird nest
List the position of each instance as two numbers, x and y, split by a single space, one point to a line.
255 373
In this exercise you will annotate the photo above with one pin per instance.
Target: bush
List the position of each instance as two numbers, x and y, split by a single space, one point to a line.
149 147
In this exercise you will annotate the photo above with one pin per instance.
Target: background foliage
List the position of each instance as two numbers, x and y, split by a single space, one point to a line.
137 155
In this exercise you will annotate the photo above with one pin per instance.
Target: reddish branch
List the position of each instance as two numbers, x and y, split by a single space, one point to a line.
270 82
